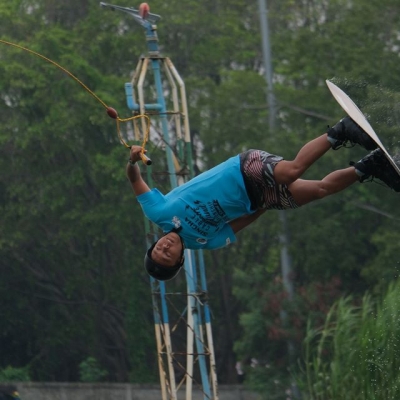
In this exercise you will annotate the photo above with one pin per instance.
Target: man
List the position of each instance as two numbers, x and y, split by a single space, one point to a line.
207 211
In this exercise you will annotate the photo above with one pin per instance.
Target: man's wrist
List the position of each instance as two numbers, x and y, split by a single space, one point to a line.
131 163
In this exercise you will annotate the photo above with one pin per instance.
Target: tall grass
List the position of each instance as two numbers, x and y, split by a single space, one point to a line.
356 354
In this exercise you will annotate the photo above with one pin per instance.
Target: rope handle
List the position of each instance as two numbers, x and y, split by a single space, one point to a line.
112 113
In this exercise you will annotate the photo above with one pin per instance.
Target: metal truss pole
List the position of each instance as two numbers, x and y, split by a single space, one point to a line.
199 341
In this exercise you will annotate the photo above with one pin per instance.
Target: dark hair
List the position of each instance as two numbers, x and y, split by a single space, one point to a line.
159 271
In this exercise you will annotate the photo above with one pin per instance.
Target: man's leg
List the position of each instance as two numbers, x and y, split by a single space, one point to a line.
305 191
286 172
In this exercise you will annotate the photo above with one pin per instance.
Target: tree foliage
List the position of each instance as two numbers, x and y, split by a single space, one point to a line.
72 234
354 353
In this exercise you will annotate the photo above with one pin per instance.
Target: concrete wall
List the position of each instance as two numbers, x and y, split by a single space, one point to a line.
115 391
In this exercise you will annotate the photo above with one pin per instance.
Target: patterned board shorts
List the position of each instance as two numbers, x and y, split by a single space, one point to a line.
257 167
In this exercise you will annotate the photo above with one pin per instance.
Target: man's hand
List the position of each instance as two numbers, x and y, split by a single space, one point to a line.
135 153
139 186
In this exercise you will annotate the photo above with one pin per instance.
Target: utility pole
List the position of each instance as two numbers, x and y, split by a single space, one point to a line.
271 102
284 238
267 61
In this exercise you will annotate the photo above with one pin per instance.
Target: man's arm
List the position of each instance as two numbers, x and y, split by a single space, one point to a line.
139 186
239 223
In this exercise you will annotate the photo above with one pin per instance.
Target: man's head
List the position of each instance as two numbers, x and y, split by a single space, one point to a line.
164 259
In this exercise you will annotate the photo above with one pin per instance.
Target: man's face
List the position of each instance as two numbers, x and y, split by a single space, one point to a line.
167 250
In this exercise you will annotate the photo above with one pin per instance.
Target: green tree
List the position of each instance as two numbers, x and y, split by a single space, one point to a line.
67 251
72 250
91 371
354 353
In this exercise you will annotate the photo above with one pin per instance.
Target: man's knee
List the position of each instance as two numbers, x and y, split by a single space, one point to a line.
304 191
287 172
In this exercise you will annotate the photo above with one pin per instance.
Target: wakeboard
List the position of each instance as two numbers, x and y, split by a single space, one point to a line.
357 116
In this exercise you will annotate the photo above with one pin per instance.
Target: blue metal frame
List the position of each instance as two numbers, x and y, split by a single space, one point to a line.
192 272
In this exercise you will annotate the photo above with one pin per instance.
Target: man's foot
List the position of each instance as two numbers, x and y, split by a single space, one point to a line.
376 165
346 130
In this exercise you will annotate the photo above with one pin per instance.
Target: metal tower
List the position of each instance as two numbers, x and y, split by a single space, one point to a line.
195 364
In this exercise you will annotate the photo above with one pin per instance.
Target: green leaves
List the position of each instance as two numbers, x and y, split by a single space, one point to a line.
354 354
91 371
65 208
72 237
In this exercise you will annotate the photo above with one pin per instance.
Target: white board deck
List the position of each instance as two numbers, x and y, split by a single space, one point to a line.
356 115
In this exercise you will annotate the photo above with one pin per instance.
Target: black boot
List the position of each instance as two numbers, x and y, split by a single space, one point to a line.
376 165
346 130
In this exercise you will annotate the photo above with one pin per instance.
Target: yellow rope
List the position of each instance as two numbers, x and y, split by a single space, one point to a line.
111 112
